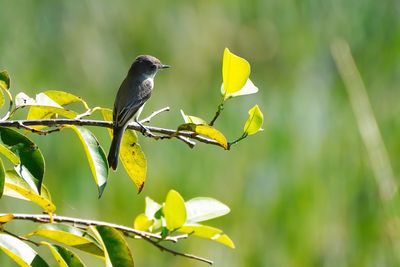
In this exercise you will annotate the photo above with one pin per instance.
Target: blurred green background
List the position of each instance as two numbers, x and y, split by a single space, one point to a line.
302 192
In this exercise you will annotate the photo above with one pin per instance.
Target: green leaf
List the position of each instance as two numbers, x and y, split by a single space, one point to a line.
4 80
192 119
70 236
95 155
20 252
208 232
174 210
142 222
17 187
63 256
235 72
2 178
63 98
254 122
207 131
31 167
9 155
204 208
130 154
115 248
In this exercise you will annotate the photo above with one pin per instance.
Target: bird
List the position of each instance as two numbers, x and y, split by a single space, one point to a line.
133 93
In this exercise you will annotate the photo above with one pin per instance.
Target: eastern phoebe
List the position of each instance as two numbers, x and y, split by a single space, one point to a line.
134 91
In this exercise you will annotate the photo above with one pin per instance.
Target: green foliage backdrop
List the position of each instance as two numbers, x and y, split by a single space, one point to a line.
302 193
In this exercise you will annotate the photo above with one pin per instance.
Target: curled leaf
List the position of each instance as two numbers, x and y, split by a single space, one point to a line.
254 122
235 72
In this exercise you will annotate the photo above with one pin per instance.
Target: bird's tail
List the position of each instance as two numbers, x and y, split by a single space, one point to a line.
114 148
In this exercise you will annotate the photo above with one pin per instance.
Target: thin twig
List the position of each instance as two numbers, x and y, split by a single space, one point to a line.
21 237
220 108
107 124
149 237
155 113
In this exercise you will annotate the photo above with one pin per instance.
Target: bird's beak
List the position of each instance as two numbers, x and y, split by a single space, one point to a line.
164 66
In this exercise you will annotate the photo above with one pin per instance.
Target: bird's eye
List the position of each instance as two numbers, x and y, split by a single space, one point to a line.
153 67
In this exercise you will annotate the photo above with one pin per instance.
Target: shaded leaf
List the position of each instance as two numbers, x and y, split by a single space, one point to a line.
142 222
31 168
130 154
63 256
254 122
192 119
116 250
70 236
207 131
95 155
204 208
174 210
17 187
208 232
235 72
2 178
20 252
4 80
9 155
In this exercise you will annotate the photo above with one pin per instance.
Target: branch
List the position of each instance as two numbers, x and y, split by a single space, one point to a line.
170 133
149 237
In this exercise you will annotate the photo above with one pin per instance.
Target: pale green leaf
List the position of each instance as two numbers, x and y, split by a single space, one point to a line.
64 257
95 155
20 252
207 131
17 187
70 236
204 208
235 72
208 232
130 154
116 250
174 210
192 119
254 122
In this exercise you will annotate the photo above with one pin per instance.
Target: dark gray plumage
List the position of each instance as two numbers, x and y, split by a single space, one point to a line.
134 91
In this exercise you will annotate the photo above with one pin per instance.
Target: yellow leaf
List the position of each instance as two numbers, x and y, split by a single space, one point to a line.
17 187
142 222
207 131
235 72
174 210
254 122
192 119
6 218
4 80
208 232
131 154
63 98
9 155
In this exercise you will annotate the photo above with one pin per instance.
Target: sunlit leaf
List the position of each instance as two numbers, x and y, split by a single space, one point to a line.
63 98
70 236
2 178
174 210
22 99
116 250
9 155
17 187
235 72
63 256
192 119
208 232
95 155
248 89
20 252
207 131
6 218
142 222
204 208
31 167
151 209
4 80
130 154
254 122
